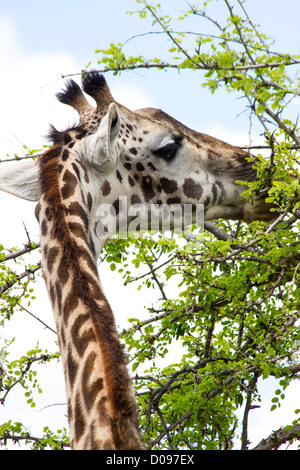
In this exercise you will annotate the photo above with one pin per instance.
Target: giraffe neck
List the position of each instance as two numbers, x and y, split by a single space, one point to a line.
101 403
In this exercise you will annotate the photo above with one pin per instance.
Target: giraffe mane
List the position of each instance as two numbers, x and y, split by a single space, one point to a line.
57 137
54 135
48 178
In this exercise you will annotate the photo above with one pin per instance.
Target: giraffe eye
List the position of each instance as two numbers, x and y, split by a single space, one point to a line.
167 152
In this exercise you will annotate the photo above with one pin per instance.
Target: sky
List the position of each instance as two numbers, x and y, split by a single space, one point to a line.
42 40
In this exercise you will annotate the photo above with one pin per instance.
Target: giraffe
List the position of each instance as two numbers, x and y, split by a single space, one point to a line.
114 157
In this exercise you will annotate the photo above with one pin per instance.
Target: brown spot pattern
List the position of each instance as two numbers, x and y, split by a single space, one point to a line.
44 228
147 188
173 200
119 176
72 368
90 201
105 188
68 188
76 169
131 181
81 340
63 270
135 199
90 391
79 420
140 167
169 186
192 189
65 155
69 305
76 209
51 257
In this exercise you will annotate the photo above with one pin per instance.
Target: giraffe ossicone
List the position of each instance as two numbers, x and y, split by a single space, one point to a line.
111 164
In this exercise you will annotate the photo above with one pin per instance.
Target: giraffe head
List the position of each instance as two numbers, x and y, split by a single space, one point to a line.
132 163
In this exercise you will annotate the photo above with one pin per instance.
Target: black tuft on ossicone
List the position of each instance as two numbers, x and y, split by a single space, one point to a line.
70 94
55 136
92 83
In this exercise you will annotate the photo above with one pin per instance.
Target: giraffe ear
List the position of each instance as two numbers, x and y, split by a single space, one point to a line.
20 179
100 149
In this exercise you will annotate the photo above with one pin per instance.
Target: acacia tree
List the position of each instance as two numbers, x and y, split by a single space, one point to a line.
235 313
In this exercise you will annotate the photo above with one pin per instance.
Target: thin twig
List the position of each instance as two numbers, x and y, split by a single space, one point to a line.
25 250
248 407
26 273
38 319
149 272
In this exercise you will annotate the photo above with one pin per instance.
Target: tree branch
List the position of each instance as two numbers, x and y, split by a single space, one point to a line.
27 249
279 437
28 437
171 427
248 407
18 277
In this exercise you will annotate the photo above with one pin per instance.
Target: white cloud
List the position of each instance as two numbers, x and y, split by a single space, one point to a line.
28 105
132 96
28 84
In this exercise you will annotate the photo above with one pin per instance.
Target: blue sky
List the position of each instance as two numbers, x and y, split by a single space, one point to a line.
39 41
81 26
